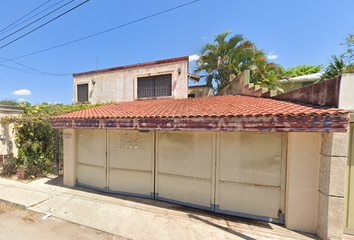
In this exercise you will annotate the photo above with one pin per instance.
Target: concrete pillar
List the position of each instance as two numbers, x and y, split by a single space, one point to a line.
332 185
303 160
69 139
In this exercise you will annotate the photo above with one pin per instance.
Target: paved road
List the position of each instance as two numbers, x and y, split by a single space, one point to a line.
20 224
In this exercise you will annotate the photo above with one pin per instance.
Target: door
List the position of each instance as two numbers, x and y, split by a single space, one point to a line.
185 167
249 175
91 158
349 227
131 162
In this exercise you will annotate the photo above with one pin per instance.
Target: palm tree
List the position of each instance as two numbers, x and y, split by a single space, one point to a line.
267 74
335 67
225 59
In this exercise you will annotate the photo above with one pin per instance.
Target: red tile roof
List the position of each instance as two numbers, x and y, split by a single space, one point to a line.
219 106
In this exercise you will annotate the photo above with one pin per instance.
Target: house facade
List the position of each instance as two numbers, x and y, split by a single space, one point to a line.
8 148
165 78
248 156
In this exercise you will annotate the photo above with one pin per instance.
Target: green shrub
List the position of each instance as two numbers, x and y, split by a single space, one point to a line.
9 168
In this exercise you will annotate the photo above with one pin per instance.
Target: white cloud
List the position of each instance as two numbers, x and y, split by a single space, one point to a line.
21 100
53 103
22 92
204 38
272 56
194 57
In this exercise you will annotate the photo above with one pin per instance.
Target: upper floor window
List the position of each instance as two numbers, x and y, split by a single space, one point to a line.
82 93
155 86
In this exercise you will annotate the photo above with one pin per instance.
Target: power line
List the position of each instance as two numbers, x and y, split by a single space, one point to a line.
33 60
108 30
31 17
33 71
39 19
25 16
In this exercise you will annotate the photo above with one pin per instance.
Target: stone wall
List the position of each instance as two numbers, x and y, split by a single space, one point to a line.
332 185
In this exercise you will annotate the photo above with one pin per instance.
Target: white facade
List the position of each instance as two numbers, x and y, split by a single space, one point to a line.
120 84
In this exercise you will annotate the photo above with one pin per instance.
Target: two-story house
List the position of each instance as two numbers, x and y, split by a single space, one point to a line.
246 155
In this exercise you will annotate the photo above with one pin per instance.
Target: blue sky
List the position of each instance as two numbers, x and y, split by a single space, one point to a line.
293 32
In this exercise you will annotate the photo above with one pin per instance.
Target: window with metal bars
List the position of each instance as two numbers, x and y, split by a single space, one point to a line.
155 86
82 93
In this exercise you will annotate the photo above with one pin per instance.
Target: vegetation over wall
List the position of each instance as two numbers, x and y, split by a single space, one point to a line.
35 140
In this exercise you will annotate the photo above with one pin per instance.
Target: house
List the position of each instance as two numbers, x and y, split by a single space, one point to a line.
246 155
8 148
165 78
200 91
301 81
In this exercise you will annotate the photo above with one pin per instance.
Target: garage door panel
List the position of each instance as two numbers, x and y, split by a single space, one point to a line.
91 157
92 176
91 147
185 190
186 153
250 200
131 162
131 149
251 158
249 174
186 167
130 182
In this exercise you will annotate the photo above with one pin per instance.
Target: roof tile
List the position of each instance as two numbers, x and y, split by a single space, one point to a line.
218 106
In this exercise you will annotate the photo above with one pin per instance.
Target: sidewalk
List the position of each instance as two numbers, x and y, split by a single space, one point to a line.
135 218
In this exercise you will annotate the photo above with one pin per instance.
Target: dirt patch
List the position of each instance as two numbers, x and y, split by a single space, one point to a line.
9 207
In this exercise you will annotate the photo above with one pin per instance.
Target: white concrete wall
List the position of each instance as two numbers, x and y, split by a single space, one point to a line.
9 131
69 144
346 94
121 85
302 181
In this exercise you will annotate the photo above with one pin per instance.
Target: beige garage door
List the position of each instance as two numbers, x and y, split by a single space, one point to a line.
185 168
131 163
349 224
250 168
91 158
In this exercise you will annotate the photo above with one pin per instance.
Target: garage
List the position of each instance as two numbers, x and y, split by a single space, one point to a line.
185 168
236 155
231 172
250 175
130 161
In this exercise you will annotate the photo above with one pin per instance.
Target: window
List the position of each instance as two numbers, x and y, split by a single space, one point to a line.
82 93
156 86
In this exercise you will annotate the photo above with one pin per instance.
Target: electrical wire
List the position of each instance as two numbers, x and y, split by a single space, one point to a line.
42 18
108 30
33 60
31 17
33 71
25 15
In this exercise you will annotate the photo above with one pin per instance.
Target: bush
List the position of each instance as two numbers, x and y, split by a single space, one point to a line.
9 168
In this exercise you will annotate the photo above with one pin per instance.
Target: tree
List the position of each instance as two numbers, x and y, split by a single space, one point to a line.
9 102
349 43
303 70
225 59
336 67
266 74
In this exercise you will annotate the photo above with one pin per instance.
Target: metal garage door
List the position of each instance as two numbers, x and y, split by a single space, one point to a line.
91 158
131 162
349 224
185 168
250 169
